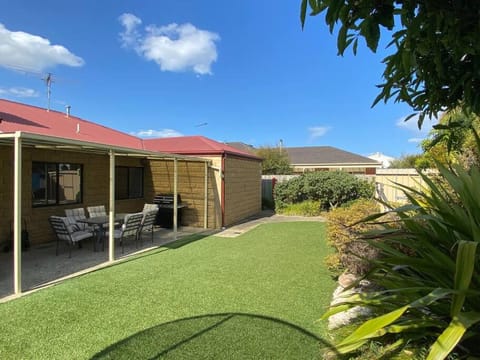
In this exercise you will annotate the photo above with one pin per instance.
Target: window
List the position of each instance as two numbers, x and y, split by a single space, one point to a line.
56 183
128 182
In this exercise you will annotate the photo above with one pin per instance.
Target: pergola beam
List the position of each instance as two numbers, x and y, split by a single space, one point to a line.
111 207
175 200
205 200
17 215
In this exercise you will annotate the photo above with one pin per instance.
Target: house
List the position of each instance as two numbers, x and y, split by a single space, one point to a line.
52 161
66 162
328 158
238 174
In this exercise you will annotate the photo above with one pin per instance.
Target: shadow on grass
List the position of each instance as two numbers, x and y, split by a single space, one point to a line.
184 241
162 248
222 336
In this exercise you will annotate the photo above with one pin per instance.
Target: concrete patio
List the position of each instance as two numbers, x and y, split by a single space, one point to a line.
41 267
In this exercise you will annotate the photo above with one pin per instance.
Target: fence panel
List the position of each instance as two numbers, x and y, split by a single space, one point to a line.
388 191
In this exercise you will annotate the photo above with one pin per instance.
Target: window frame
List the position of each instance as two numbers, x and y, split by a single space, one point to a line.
45 165
129 195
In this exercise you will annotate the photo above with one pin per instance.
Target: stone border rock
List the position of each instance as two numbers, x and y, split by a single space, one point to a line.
340 294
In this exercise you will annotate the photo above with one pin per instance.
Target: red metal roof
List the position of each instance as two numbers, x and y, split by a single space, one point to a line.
194 145
21 117
31 119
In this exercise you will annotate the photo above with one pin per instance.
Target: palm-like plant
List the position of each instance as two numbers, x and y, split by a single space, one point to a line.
429 270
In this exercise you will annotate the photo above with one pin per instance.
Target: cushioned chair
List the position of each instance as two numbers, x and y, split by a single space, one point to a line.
148 222
96 211
73 215
129 229
66 231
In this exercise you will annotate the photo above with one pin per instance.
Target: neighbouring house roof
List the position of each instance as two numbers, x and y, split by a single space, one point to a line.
242 146
326 155
31 119
194 145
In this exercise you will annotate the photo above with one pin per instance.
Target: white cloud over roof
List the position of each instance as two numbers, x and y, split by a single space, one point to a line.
24 51
317 131
173 47
157 133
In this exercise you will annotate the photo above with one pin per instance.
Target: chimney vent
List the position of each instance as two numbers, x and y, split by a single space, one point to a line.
67 110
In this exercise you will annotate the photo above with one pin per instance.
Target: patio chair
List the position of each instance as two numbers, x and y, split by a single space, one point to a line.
148 222
73 215
66 231
96 211
129 229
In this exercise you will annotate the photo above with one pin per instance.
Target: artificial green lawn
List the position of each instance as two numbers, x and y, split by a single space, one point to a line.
254 296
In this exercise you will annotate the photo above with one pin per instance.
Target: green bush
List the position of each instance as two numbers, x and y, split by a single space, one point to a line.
330 188
305 208
351 253
430 290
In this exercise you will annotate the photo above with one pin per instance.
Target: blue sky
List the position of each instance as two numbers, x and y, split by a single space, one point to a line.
229 70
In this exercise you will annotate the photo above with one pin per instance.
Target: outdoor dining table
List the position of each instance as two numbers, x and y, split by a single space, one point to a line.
99 224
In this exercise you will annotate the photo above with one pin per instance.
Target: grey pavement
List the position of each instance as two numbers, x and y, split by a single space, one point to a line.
264 217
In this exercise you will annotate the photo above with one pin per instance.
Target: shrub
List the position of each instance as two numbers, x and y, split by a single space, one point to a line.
330 188
351 252
305 208
430 291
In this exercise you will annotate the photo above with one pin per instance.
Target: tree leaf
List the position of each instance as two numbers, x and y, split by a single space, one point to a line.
368 330
303 12
450 337
342 39
465 265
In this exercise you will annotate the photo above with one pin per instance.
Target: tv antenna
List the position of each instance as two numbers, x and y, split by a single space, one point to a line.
48 79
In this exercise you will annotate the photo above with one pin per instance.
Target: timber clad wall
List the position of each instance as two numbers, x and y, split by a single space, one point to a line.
190 186
243 195
242 188
158 177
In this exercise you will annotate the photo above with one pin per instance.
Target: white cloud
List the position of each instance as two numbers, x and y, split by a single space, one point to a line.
130 36
20 92
411 125
24 51
173 47
317 131
157 133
